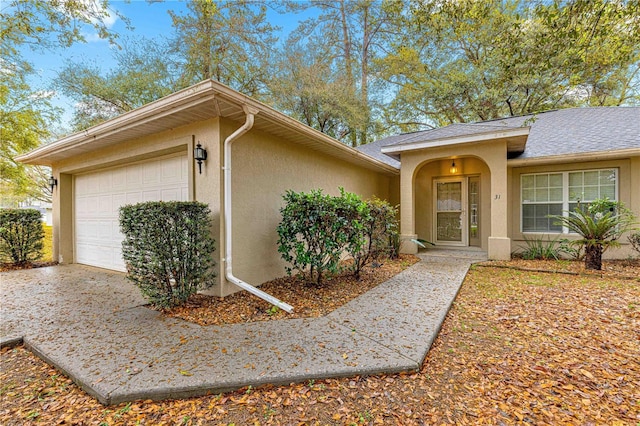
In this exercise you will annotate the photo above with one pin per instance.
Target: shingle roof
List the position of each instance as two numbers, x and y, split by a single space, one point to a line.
373 149
552 133
580 130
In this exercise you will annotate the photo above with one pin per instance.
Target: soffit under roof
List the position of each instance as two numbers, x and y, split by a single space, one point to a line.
203 101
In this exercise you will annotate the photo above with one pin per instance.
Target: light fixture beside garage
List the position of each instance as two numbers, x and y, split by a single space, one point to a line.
53 182
453 169
200 155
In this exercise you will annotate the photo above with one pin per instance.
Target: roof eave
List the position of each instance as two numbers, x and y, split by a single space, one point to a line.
286 121
519 134
206 91
576 157
181 99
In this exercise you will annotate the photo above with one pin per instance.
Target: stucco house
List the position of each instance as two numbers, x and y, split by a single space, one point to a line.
148 154
483 185
492 183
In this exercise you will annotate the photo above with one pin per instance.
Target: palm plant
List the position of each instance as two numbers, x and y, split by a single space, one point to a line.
600 225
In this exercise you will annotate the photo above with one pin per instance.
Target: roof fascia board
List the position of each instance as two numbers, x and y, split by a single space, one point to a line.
457 140
156 109
205 91
572 158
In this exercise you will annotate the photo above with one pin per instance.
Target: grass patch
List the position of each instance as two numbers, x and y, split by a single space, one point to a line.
47 249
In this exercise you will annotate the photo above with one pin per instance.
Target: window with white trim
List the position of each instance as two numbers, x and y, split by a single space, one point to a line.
544 194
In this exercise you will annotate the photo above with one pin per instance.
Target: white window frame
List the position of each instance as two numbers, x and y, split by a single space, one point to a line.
565 194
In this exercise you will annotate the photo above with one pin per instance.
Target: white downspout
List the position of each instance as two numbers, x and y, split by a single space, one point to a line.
228 271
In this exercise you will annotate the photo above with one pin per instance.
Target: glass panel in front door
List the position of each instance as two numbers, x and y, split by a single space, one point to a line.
474 210
449 212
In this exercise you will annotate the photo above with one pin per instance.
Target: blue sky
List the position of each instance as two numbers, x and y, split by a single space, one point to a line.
148 19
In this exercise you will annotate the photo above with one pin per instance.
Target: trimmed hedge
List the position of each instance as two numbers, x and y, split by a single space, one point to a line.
316 230
168 249
378 234
312 234
21 235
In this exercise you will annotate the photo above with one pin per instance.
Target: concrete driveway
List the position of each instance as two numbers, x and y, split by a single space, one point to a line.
93 326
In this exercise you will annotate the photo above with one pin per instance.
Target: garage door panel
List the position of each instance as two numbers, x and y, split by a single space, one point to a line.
134 197
151 175
115 231
152 195
172 171
99 196
116 255
119 180
104 230
117 200
174 194
134 176
104 184
105 205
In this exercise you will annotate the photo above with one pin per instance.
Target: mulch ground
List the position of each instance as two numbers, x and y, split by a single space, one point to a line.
4 267
517 347
308 299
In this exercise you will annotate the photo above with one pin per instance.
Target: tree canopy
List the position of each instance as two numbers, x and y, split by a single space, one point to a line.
357 70
26 115
467 60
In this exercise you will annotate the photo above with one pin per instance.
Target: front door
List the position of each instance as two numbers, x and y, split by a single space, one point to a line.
451 224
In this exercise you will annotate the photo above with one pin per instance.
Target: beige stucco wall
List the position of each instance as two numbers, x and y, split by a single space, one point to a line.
263 169
628 193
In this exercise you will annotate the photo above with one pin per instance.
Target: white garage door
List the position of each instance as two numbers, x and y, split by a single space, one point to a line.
99 195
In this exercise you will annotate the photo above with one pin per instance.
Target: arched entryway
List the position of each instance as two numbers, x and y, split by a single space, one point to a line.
423 167
452 202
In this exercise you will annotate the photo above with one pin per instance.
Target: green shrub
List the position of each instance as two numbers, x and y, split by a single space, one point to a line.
312 234
21 235
317 229
600 225
395 243
377 234
355 214
168 249
634 239
540 249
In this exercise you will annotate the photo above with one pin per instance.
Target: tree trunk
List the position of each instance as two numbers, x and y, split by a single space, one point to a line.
593 257
364 77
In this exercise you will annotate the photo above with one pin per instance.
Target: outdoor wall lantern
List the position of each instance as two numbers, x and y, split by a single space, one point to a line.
53 182
453 169
199 154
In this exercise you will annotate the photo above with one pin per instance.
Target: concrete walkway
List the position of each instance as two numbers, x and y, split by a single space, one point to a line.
90 324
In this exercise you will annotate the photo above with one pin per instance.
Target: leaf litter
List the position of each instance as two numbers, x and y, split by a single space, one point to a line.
517 347
308 299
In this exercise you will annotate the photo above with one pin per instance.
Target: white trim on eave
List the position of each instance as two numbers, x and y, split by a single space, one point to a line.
166 105
206 91
577 157
457 140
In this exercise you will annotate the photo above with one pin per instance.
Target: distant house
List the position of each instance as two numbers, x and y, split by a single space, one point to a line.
45 209
483 185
